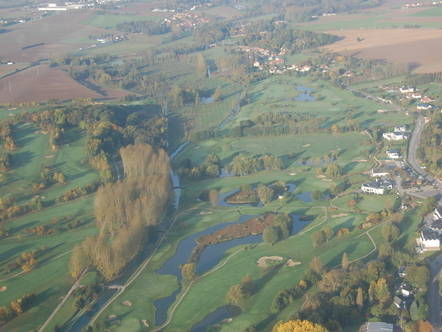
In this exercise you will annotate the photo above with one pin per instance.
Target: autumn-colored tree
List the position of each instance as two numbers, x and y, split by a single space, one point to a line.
298 326
317 266
213 197
265 194
360 298
78 261
345 262
188 271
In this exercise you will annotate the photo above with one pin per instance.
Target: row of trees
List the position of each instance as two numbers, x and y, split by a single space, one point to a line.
16 308
126 211
244 164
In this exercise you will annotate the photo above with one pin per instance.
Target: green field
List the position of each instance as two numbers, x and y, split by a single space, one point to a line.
49 280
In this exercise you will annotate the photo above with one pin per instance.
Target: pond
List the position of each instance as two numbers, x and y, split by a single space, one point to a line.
305 94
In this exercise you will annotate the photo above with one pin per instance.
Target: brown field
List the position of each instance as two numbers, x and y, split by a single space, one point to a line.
53 31
420 47
41 83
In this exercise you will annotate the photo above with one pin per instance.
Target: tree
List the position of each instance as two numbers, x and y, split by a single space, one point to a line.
390 232
265 194
201 65
271 234
429 205
213 197
333 170
360 298
298 326
418 310
217 94
318 238
381 291
78 261
418 276
188 271
344 261
317 266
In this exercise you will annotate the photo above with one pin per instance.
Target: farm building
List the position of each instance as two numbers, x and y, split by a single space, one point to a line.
394 136
393 154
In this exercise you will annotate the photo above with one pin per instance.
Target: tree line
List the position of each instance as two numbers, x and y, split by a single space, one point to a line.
126 212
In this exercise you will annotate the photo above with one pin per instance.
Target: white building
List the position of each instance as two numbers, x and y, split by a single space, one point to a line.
424 106
401 129
379 173
373 188
393 154
394 136
437 213
406 89
428 240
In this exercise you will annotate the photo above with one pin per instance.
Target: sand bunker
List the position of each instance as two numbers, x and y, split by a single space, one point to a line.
292 263
262 262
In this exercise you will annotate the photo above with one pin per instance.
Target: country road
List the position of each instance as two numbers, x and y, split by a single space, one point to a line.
414 145
433 297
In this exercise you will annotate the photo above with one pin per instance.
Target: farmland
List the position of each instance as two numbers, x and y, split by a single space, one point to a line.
41 83
418 47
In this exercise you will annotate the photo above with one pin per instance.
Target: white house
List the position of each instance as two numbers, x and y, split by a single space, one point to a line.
393 154
437 213
373 188
406 89
394 136
428 240
401 129
424 106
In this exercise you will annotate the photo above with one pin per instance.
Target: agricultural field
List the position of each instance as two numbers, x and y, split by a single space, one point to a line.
418 47
41 83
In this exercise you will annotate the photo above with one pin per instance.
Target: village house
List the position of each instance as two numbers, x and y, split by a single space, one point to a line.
424 106
428 241
406 89
426 99
393 154
373 188
437 213
395 136
401 129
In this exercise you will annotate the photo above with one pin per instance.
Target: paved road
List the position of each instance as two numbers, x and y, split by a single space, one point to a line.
433 297
414 144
